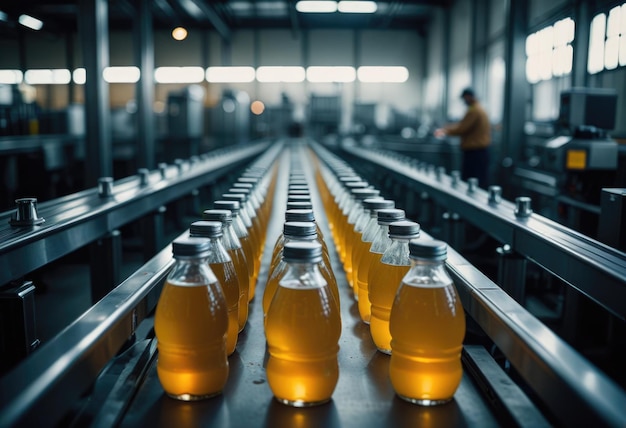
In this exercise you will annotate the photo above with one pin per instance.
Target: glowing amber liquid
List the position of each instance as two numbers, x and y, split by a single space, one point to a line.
365 262
428 327
227 278
251 265
302 330
241 270
384 281
190 325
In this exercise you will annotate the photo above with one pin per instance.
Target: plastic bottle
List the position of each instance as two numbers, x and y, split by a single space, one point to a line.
367 227
298 232
244 240
237 255
385 278
224 269
302 329
428 327
190 324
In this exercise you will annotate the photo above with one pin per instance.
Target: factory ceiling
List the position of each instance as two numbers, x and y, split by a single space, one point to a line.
224 16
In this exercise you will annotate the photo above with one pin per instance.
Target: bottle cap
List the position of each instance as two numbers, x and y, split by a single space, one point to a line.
233 206
302 252
240 185
377 204
234 197
361 193
298 198
191 246
386 216
431 249
299 215
225 216
299 205
404 229
304 229
240 191
206 228
356 184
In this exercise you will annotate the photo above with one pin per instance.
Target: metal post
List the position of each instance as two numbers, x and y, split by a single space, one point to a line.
512 273
106 264
152 229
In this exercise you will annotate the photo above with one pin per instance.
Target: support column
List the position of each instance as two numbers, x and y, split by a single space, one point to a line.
144 58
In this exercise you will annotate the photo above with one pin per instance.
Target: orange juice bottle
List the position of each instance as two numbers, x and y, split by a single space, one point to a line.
222 266
427 328
366 227
190 323
297 232
351 235
385 278
302 330
244 239
244 213
237 255
378 232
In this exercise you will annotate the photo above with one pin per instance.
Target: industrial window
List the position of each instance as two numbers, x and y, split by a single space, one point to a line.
549 51
607 40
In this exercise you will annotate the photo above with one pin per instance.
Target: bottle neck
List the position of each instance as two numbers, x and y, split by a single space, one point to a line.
302 274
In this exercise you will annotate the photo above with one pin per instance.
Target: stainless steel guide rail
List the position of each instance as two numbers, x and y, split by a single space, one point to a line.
591 267
78 219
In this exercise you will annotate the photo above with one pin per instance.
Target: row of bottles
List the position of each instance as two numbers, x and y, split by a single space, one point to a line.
400 283
398 280
205 300
301 305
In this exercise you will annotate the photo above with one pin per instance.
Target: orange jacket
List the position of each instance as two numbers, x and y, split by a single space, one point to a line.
474 129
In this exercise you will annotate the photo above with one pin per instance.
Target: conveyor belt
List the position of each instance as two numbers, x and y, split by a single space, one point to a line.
591 267
50 383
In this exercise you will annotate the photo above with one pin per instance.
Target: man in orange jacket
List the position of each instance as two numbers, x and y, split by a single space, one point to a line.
475 133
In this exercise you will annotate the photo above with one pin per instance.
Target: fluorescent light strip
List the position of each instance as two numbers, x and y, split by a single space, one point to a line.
317 74
179 75
48 77
11 77
280 74
383 74
230 74
79 76
357 7
316 6
121 74
30 22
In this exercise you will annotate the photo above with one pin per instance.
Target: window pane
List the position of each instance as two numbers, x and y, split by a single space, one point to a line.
611 52
595 61
613 24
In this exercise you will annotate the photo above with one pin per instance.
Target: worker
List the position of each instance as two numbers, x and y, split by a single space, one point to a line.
475 133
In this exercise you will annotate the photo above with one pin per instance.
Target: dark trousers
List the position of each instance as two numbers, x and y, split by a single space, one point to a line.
476 164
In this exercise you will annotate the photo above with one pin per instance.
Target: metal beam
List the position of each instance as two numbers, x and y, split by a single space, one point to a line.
194 7
94 34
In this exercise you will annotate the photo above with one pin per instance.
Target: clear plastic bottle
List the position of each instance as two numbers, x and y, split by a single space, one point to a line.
385 278
297 232
237 255
302 329
244 239
367 226
190 323
224 269
428 328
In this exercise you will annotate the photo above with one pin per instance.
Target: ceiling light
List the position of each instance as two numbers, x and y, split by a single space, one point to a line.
179 74
129 74
257 107
11 77
179 33
280 74
357 6
229 74
4 16
316 6
30 22
48 76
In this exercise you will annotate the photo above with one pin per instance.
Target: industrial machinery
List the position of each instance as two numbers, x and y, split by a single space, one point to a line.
568 171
